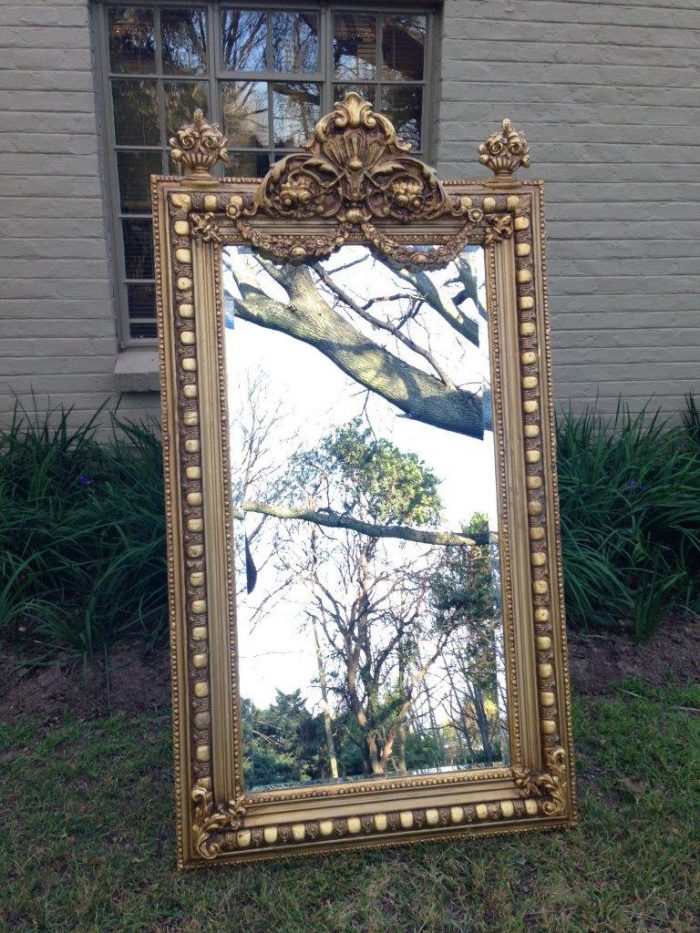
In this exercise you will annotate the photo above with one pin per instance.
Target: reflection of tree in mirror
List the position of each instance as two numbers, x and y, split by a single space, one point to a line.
358 575
390 353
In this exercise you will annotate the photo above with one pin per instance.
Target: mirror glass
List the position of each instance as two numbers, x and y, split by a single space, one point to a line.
370 638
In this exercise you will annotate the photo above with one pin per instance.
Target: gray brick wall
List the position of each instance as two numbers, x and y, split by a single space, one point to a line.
56 301
607 94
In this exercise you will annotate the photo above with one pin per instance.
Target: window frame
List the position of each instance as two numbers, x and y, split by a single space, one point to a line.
214 76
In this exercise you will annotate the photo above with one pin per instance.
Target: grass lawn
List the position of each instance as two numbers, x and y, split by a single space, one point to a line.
88 842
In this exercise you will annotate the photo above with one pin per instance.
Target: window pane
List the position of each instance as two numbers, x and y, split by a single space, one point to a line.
135 113
184 40
143 331
366 91
135 170
296 108
138 248
355 46
245 40
248 164
403 47
142 303
132 40
244 106
182 98
295 42
403 107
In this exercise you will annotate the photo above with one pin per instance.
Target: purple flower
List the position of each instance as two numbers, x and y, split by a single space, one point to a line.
84 480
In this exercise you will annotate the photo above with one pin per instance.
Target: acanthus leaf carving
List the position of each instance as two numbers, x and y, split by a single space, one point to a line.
549 787
355 169
210 824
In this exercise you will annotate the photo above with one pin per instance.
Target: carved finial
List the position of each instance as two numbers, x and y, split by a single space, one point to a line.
506 151
199 145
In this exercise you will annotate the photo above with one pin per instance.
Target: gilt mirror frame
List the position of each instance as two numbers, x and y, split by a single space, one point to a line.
356 183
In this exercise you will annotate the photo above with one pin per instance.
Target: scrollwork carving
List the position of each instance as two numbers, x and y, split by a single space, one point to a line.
549 787
355 169
213 826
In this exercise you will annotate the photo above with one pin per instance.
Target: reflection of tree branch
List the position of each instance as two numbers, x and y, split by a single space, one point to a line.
443 304
332 519
394 329
309 318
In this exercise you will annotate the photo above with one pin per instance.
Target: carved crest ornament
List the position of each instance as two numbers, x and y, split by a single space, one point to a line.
355 174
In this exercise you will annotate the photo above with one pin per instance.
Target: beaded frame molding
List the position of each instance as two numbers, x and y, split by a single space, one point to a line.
356 182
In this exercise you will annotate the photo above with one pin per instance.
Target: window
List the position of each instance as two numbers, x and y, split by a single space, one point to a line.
265 73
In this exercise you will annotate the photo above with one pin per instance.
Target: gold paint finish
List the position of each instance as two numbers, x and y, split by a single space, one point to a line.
194 217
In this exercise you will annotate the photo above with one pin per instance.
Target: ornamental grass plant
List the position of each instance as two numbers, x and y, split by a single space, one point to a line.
630 517
82 528
82 534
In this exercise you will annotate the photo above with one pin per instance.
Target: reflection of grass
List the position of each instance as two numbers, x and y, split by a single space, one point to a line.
88 843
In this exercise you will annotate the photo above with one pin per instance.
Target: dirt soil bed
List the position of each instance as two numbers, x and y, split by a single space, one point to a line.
600 662
137 683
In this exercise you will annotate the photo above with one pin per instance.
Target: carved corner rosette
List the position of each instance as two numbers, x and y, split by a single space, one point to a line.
505 151
548 787
199 146
213 827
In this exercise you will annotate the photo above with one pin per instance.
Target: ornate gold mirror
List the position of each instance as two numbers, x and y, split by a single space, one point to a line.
366 603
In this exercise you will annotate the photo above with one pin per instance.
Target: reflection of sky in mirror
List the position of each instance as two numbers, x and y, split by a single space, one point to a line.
311 396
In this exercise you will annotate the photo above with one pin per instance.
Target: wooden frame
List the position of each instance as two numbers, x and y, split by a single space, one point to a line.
287 217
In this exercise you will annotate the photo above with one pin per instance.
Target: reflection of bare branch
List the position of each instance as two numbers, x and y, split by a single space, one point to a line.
332 519
307 317
394 329
434 296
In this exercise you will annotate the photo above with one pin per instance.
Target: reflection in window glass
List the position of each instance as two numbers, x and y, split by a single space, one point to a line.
366 91
132 40
138 248
141 298
135 105
161 69
295 42
135 170
403 107
184 41
182 98
245 40
403 47
245 116
248 164
296 108
355 46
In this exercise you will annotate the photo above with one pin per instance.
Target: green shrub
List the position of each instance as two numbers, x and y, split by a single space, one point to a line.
82 528
82 534
630 514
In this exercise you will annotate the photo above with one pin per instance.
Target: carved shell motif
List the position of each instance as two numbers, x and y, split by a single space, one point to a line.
355 169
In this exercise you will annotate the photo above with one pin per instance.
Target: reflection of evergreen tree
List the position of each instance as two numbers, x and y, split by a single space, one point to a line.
284 743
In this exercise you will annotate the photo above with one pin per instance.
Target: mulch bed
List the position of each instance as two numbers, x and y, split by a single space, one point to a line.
137 683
